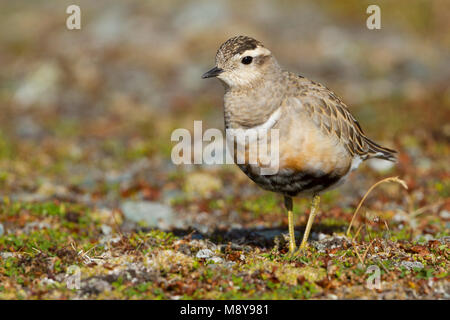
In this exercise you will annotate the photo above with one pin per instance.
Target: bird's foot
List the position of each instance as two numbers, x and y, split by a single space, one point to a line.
301 250
303 246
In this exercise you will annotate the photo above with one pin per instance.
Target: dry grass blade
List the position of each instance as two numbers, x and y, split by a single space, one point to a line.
357 253
363 258
390 179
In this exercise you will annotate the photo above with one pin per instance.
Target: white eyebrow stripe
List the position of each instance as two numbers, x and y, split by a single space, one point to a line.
256 52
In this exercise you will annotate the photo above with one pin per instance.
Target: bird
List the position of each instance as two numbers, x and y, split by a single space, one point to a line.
320 142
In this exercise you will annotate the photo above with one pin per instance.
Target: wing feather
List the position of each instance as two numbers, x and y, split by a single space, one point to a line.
332 117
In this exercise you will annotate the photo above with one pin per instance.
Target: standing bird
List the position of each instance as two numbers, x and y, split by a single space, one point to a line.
320 142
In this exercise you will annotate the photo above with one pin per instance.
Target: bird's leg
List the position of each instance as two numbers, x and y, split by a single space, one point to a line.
312 214
289 207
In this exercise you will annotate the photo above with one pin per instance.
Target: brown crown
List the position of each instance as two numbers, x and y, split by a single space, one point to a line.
237 45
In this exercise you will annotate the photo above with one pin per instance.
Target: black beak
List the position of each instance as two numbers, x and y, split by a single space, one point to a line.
214 72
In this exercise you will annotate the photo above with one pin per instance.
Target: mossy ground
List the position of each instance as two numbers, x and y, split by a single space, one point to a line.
86 121
44 241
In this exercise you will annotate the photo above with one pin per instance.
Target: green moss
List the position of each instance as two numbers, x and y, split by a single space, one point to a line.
332 222
424 273
158 237
262 205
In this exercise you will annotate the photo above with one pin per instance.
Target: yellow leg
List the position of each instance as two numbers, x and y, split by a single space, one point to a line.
312 214
291 232
289 207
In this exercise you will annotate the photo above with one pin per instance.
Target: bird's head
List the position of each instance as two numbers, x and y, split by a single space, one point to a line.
243 62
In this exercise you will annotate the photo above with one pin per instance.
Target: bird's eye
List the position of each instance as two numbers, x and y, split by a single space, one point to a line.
247 60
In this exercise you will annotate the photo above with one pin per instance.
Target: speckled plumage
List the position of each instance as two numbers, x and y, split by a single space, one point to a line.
320 142
319 138
236 45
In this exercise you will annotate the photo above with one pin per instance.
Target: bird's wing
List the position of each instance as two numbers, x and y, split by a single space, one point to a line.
331 115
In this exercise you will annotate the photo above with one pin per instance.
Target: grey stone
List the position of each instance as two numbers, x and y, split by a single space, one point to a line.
216 259
6 255
106 230
330 242
412 264
444 214
153 214
204 253
97 285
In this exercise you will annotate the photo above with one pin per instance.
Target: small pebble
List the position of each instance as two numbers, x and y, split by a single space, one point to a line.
445 214
216 259
322 236
153 214
106 230
204 253
6 255
412 264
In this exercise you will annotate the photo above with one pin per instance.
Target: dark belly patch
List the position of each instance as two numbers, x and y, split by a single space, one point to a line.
293 183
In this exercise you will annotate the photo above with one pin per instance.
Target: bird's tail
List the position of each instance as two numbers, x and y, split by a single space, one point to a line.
377 151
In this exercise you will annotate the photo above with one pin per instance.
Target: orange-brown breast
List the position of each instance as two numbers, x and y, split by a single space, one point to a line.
303 147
